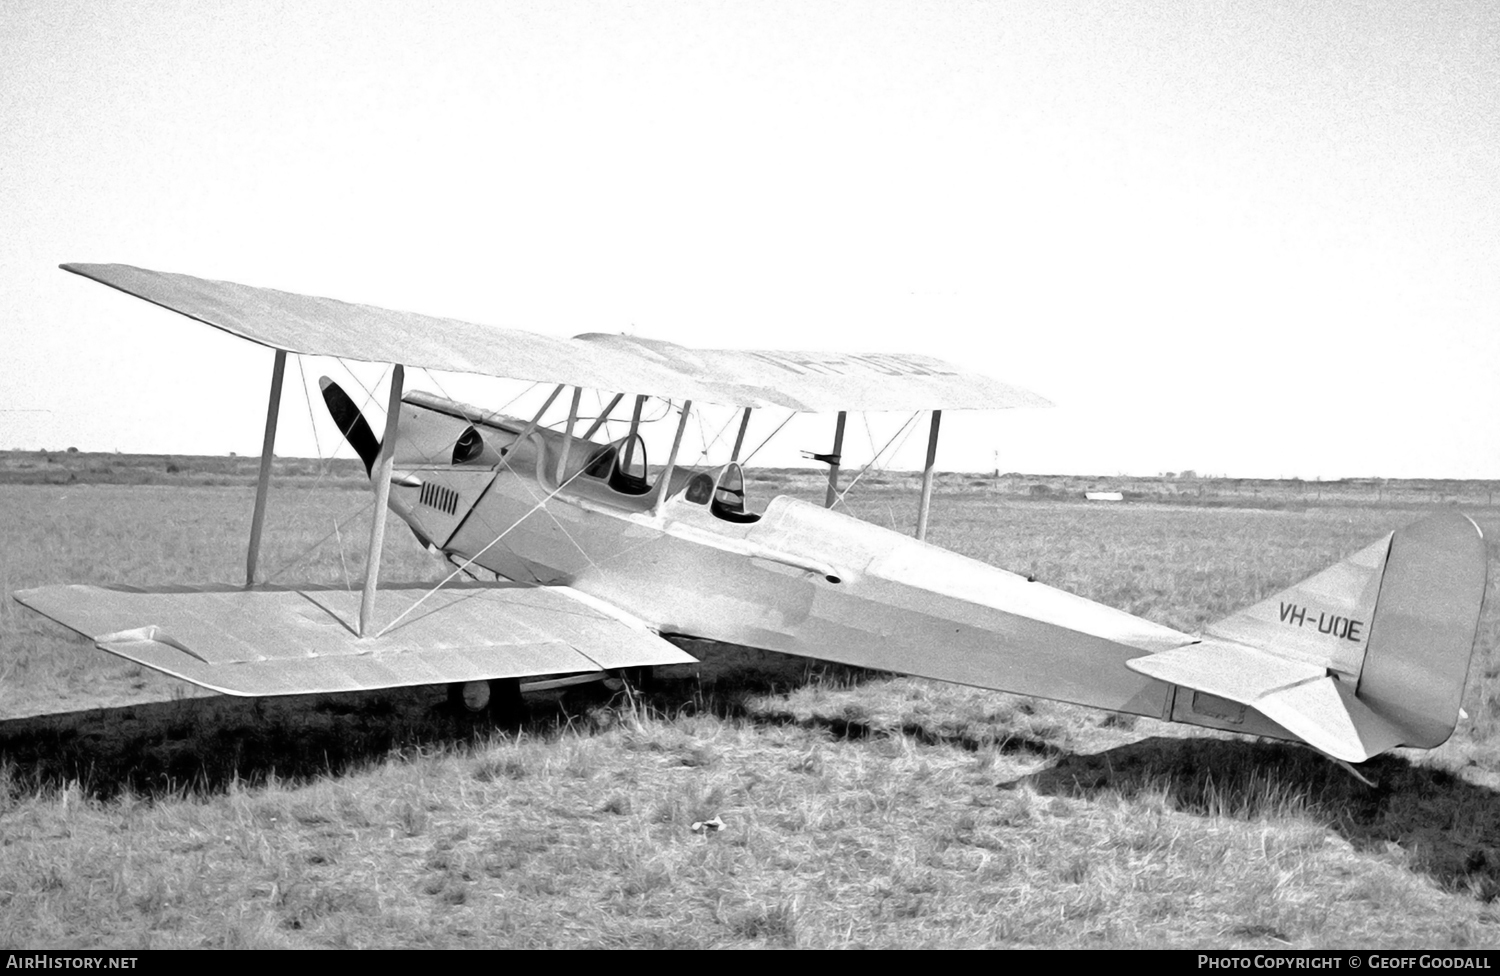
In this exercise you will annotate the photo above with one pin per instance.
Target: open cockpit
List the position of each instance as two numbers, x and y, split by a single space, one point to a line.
445 434
721 491
621 468
621 465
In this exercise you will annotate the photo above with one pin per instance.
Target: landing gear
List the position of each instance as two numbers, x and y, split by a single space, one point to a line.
472 697
500 698
640 680
636 680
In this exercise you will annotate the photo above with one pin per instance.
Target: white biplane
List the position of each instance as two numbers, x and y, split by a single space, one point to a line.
1368 655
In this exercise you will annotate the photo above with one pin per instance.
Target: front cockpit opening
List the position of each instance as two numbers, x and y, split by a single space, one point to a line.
601 464
621 465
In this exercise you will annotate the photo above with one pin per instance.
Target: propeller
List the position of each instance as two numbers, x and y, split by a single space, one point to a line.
351 422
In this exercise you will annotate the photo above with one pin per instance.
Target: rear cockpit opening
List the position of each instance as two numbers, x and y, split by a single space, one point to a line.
723 495
700 488
729 496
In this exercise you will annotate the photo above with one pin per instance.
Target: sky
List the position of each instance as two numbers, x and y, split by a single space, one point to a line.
1243 238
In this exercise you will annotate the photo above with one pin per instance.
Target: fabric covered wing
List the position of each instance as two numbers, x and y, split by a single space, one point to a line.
813 382
1300 697
290 641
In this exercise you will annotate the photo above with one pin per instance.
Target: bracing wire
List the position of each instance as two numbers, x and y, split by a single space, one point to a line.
312 548
325 462
541 505
343 565
768 439
708 445
702 436
563 528
311 417
474 558
369 393
463 407
503 405
903 428
324 466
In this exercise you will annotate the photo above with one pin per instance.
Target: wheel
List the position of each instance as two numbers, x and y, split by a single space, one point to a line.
472 697
636 681
500 698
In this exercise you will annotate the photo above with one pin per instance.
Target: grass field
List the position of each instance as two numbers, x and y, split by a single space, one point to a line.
859 809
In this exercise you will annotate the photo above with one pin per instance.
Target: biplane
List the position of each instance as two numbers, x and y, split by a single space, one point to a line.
598 557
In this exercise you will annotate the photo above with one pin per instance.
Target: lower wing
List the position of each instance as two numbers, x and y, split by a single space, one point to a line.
300 640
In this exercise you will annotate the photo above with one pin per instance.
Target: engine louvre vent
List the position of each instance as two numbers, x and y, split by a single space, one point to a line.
441 498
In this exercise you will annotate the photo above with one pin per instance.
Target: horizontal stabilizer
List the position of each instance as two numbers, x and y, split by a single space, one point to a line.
1226 669
1298 696
293 641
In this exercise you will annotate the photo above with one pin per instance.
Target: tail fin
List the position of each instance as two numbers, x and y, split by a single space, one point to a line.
1426 619
1367 655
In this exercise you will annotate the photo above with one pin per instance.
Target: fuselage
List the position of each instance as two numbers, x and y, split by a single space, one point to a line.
683 554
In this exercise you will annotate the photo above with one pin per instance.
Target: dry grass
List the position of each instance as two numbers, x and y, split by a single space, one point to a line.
859 810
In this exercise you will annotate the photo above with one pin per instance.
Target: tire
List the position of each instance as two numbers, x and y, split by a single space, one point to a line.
470 697
498 698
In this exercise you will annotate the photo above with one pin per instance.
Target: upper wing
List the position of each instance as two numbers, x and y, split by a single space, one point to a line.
814 382
270 641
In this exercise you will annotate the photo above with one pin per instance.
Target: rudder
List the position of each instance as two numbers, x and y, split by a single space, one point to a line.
1426 619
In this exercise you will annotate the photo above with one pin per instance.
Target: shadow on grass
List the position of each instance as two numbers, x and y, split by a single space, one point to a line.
1437 823
204 745
855 724
743 683
1431 820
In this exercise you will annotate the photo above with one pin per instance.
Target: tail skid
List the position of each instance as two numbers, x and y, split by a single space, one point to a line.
1370 654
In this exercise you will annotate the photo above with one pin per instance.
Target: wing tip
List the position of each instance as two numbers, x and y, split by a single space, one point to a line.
92 271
